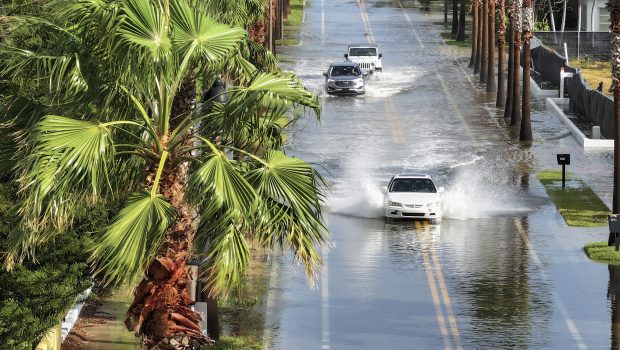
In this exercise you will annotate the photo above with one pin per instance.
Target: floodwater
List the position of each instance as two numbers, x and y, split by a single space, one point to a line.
501 271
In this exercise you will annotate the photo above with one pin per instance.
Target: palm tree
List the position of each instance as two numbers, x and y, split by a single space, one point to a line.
478 63
491 83
516 24
485 42
115 117
474 34
455 17
613 6
501 54
528 27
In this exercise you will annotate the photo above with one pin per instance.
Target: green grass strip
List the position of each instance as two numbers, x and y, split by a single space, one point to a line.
447 38
578 204
600 252
292 24
237 343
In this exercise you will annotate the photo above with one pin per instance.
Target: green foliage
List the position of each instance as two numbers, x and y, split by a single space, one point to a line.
237 343
542 26
600 252
36 294
578 204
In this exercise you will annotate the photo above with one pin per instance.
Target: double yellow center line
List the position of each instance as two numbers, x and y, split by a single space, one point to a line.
443 305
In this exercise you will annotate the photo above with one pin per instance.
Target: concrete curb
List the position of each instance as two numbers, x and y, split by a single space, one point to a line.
541 93
553 104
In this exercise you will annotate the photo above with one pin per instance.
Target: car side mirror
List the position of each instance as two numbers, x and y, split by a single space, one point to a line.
441 190
346 55
380 55
325 73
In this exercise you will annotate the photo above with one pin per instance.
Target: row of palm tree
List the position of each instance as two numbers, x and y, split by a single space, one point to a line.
489 35
105 109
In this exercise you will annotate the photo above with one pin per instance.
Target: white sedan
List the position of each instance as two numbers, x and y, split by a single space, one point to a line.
413 197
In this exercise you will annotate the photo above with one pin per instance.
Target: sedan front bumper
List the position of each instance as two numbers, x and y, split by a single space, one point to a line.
408 213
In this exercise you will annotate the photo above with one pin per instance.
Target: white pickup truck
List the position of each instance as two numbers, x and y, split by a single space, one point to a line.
367 56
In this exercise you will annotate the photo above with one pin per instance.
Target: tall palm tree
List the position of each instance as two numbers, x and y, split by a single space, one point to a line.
528 27
516 24
113 118
455 17
491 83
478 63
474 34
501 54
485 42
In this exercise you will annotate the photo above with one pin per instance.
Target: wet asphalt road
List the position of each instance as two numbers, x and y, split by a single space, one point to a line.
501 271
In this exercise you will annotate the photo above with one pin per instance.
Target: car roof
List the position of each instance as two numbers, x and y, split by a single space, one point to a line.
362 45
345 64
412 176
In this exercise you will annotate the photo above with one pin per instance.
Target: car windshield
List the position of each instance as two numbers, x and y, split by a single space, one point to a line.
362 51
413 185
338 71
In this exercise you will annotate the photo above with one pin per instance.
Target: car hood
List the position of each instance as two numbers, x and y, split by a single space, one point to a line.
363 58
345 78
413 197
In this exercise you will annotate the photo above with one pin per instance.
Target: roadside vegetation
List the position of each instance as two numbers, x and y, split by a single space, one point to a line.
578 204
594 73
601 252
449 40
292 24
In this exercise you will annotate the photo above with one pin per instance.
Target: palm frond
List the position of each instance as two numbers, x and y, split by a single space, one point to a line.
218 184
70 157
144 32
224 246
133 238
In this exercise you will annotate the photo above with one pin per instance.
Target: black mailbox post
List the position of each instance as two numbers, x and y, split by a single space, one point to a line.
564 160
614 229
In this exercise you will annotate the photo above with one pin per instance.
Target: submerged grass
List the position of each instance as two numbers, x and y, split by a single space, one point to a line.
600 252
447 38
237 343
578 204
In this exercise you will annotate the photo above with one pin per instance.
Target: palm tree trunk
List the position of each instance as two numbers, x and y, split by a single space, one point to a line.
515 116
455 17
474 34
509 85
528 27
491 83
485 42
478 63
501 54
161 310
445 12
461 34
614 11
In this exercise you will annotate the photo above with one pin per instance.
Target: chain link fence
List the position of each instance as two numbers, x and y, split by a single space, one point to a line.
594 46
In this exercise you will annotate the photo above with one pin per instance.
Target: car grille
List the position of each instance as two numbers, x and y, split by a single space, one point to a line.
345 83
413 214
413 206
365 65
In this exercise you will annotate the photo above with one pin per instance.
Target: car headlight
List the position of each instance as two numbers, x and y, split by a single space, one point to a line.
433 205
395 204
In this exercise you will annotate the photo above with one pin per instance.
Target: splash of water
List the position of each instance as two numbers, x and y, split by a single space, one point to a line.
482 192
363 198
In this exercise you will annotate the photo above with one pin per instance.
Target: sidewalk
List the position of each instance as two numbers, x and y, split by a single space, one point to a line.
101 326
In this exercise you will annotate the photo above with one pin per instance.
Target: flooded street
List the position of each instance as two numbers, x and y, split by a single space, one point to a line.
502 270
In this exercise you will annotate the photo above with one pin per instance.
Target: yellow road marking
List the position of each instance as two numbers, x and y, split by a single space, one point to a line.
431 283
444 292
394 119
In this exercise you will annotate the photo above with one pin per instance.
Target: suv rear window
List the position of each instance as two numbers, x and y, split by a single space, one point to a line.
413 185
362 51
